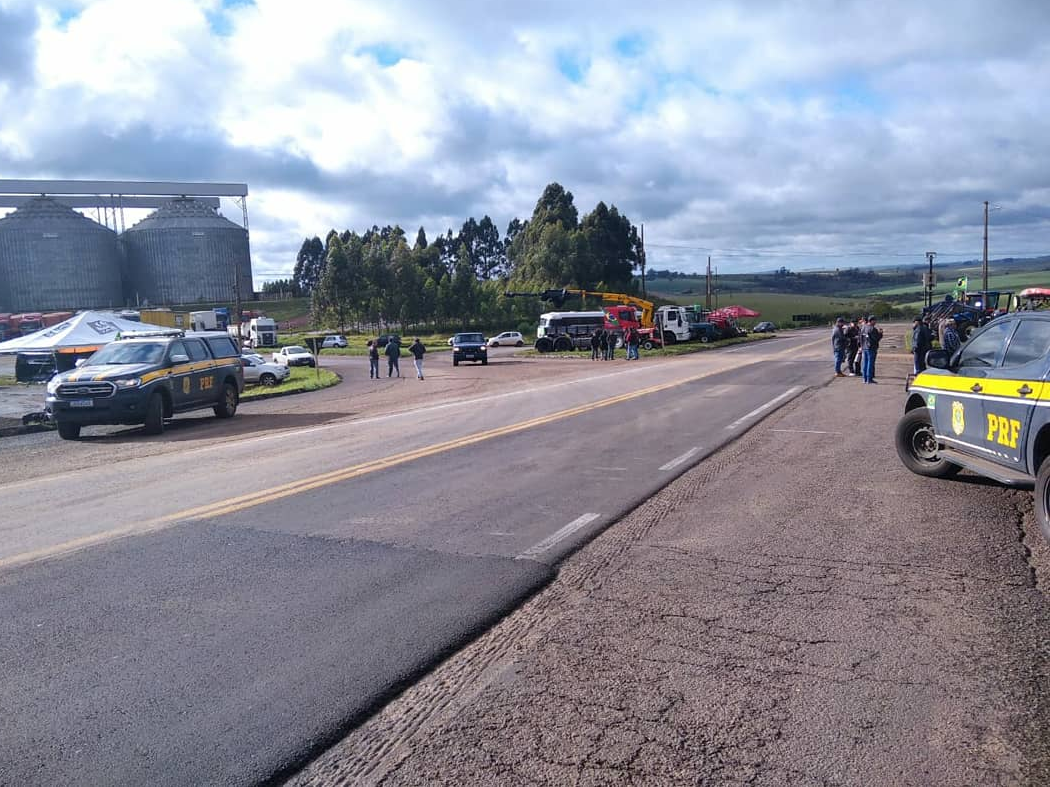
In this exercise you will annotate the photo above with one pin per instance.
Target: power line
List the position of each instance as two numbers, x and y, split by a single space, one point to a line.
826 254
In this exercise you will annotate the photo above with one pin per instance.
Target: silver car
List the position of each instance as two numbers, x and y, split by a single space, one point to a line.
258 370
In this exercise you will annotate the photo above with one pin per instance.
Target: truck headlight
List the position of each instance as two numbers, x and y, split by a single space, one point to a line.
52 385
131 382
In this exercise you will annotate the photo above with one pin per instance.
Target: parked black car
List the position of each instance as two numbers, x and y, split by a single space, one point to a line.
384 340
764 327
469 347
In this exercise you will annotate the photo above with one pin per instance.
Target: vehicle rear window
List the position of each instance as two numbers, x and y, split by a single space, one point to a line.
222 347
1030 343
195 349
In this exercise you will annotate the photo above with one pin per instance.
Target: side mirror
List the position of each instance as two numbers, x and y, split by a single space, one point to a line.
180 358
80 362
938 359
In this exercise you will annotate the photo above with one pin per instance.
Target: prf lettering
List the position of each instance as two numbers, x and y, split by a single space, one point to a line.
1004 431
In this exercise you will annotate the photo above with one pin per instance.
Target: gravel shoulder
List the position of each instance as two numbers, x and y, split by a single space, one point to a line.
797 609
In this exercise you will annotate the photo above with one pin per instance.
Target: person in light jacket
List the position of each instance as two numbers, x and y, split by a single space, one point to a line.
417 349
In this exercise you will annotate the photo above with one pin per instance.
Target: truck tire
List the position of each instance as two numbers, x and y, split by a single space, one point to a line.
267 379
704 338
562 344
455 362
68 431
669 338
154 423
227 406
544 345
917 446
1042 498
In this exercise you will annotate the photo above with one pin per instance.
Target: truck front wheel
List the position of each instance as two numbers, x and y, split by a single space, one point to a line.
669 338
917 446
154 423
68 431
1042 498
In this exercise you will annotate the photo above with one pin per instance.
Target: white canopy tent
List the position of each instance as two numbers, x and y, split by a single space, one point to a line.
81 334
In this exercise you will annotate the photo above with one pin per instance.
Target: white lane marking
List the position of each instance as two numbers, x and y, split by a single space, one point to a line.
554 538
768 405
803 431
678 460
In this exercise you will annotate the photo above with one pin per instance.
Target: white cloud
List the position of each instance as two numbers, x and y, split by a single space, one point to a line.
828 127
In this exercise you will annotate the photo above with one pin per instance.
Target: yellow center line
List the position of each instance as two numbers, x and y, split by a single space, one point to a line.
259 497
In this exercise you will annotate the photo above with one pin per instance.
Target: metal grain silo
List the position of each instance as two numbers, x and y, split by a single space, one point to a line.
52 257
185 252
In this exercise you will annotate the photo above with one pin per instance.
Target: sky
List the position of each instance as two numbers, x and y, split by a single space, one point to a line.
808 135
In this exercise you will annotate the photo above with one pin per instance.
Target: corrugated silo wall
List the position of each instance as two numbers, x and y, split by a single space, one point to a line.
70 268
171 266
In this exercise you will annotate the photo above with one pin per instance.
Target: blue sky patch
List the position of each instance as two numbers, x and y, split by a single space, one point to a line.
632 45
573 65
385 54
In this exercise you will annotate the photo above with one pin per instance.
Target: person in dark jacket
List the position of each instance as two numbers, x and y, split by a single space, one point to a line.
838 344
595 343
373 360
870 336
921 343
393 354
603 344
417 349
852 347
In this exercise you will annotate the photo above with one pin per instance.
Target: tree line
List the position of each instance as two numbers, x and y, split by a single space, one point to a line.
377 278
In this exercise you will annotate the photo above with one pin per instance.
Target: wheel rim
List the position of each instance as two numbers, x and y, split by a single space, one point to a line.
231 399
924 444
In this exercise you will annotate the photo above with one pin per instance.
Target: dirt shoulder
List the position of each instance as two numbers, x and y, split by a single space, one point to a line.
798 609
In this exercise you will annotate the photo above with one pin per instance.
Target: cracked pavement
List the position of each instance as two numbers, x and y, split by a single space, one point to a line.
798 609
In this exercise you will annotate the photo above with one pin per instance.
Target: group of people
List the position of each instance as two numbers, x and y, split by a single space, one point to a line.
603 344
922 339
855 345
392 351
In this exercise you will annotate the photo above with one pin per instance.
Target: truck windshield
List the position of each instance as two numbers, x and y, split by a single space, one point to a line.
127 352
469 337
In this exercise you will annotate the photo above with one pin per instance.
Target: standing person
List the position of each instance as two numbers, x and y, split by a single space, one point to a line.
852 347
417 349
921 343
838 344
870 336
393 354
950 341
595 342
632 344
612 346
603 343
373 360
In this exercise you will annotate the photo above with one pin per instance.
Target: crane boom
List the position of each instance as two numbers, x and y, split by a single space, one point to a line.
558 298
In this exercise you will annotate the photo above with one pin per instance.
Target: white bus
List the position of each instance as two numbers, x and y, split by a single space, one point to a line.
559 331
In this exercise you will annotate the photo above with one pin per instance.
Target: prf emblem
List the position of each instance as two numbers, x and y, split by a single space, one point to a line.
958 418
1003 431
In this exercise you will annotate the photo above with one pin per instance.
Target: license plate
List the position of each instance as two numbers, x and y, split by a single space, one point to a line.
82 403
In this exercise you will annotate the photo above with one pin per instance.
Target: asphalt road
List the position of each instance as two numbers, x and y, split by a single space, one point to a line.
798 609
217 609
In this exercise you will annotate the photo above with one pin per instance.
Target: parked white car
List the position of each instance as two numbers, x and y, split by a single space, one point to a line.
507 338
333 341
294 355
258 370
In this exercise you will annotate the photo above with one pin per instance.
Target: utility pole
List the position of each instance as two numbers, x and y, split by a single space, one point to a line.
929 278
642 261
707 301
984 264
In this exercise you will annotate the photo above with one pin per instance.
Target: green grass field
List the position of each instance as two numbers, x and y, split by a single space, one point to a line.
301 379
779 307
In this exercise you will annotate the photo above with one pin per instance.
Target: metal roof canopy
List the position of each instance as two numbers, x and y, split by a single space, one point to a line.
103 201
89 188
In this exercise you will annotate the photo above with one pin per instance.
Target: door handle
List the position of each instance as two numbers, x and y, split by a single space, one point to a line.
976 388
1024 390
